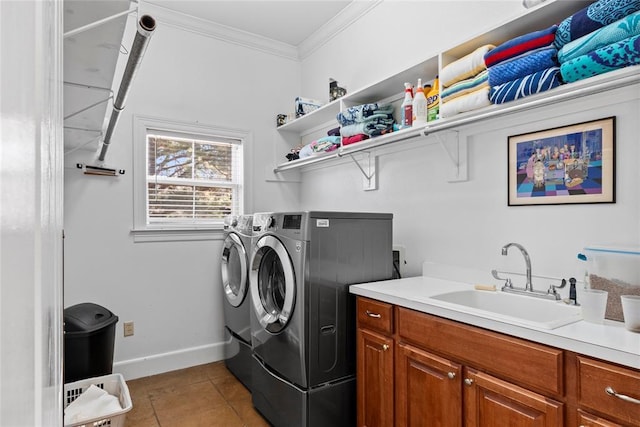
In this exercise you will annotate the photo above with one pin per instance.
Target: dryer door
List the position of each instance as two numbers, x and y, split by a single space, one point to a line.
272 282
234 269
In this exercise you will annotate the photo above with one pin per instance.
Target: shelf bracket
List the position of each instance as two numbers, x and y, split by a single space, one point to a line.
369 170
456 150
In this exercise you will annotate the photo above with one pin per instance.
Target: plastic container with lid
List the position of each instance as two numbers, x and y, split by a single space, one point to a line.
89 334
616 270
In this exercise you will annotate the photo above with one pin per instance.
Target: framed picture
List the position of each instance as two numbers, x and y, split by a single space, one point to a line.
570 164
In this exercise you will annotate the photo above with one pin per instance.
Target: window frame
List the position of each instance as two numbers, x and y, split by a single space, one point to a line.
166 231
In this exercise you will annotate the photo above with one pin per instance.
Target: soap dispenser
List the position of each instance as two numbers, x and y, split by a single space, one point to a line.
573 300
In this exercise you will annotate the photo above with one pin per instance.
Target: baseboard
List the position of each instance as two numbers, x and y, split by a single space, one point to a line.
170 361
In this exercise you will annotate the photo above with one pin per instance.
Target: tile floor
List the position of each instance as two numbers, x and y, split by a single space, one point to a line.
200 396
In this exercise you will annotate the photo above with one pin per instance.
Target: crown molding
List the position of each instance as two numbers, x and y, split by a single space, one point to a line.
350 14
218 31
347 16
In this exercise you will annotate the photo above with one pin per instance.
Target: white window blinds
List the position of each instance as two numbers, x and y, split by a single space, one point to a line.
192 179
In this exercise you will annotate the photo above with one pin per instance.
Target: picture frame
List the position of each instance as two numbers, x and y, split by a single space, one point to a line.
563 165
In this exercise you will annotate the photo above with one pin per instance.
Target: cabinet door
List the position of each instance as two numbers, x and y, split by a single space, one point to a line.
428 389
375 379
491 402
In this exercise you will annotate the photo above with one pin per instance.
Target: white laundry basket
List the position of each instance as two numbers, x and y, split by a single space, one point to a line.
113 384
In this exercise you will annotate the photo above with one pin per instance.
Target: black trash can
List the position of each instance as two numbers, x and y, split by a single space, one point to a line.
89 334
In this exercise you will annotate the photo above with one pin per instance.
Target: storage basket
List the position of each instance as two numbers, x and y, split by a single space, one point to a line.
113 384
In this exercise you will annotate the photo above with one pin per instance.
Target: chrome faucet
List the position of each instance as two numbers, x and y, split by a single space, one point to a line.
528 286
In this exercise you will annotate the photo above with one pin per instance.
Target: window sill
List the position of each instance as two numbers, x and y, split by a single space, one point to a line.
147 235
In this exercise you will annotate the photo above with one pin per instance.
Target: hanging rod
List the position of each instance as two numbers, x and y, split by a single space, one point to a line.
146 26
97 23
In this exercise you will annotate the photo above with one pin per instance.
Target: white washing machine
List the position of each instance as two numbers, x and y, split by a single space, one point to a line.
236 253
303 318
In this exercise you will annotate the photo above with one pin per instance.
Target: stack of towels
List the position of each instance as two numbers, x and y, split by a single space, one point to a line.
602 37
465 83
364 121
523 66
322 145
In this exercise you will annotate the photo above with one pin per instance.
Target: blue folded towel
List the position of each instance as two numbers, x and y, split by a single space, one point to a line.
608 58
521 67
533 83
360 113
624 28
592 17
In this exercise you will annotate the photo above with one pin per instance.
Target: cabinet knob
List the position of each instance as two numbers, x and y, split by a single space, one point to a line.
451 375
468 381
611 392
385 347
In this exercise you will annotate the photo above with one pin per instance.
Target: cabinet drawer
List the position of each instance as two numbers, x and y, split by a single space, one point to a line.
587 420
595 378
375 315
533 365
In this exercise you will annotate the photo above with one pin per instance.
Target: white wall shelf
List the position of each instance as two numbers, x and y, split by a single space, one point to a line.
625 77
538 18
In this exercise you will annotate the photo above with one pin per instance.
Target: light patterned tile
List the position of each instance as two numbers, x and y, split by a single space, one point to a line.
233 390
187 401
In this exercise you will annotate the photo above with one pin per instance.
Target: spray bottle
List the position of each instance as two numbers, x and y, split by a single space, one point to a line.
419 106
407 107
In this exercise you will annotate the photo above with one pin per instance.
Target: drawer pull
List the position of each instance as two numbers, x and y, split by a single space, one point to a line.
385 347
611 392
468 381
451 375
374 315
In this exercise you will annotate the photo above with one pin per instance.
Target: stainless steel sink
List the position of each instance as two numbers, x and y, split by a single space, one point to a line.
511 308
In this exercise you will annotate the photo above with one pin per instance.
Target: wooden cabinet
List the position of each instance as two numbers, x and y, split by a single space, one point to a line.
428 389
420 370
375 383
489 401
608 390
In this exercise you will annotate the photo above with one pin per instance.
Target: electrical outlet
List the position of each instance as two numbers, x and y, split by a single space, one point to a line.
128 329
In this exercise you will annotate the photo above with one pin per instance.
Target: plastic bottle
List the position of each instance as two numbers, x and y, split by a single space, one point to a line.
433 102
407 107
419 106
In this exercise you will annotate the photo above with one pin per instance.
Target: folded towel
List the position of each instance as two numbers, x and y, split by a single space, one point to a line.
465 86
94 402
521 67
469 102
465 67
372 128
326 144
608 58
624 28
359 113
525 86
592 17
519 46
347 140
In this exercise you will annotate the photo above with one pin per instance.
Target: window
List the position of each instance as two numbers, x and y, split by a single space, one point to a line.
192 177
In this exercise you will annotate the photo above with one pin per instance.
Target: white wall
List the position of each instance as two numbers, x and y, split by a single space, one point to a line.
171 290
467 223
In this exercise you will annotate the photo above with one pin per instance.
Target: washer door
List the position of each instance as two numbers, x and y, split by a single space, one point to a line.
273 284
234 270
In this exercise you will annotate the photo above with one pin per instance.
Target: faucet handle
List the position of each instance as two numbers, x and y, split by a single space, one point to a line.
553 289
507 284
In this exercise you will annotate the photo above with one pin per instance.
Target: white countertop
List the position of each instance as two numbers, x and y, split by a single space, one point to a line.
608 341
